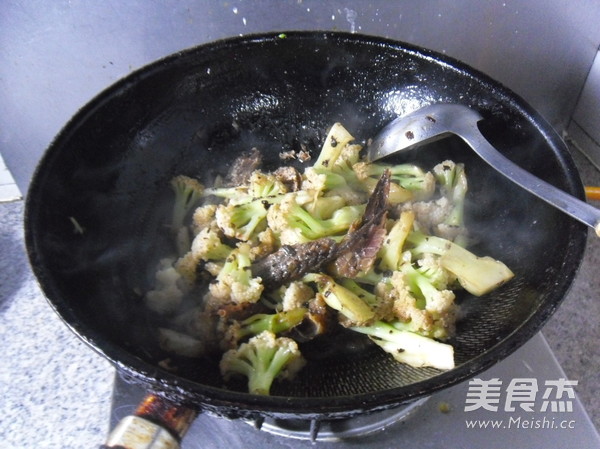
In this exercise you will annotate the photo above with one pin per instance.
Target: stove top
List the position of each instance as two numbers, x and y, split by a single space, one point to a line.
525 401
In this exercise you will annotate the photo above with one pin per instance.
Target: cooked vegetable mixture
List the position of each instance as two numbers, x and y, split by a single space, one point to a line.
271 260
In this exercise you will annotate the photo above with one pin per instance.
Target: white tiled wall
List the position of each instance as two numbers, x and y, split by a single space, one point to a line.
584 129
8 189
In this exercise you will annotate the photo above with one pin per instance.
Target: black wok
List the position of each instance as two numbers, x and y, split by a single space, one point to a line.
193 112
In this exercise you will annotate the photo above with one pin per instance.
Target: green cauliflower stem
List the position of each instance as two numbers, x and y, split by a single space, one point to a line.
327 182
408 176
422 284
261 360
206 246
382 306
354 308
234 195
372 277
436 301
265 185
188 192
273 322
410 348
409 307
429 265
453 185
313 228
294 224
323 180
325 206
242 221
397 194
392 250
337 138
332 173
477 275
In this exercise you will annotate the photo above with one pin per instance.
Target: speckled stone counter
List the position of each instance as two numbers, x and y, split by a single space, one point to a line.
573 332
55 392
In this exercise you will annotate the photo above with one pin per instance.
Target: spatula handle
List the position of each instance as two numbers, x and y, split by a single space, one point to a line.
576 208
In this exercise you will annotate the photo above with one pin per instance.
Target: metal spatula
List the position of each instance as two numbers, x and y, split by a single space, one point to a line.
439 120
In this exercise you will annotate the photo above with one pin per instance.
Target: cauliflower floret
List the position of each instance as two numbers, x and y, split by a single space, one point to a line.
181 344
428 309
439 300
277 220
206 246
369 173
440 278
235 282
241 221
233 332
263 359
186 266
349 156
453 184
264 185
213 268
478 275
440 303
327 182
429 214
296 295
290 215
276 215
266 244
168 291
404 304
204 217
188 192
313 181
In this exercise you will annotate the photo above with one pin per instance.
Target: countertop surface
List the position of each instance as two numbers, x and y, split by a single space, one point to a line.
50 381
56 392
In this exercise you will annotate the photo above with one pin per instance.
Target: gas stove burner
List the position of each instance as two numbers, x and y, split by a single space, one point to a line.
340 429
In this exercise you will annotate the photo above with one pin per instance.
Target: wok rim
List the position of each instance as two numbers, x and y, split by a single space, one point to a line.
236 404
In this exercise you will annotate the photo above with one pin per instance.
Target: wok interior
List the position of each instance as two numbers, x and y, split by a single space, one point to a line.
194 112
